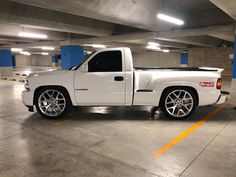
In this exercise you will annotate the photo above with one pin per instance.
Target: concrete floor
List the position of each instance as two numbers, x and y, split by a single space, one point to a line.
112 142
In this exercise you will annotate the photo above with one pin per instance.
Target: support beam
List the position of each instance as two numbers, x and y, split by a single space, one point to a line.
203 41
114 38
11 31
127 38
33 44
185 41
153 35
228 6
15 39
6 42
144 42
197 31
227 36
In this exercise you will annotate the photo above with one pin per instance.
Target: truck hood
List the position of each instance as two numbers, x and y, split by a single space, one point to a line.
48 73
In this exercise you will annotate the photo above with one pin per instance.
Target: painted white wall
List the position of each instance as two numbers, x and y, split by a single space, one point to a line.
41 60
33 60
23 60
156 59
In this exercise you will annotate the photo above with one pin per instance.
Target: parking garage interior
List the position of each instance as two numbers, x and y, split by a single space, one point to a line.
49 35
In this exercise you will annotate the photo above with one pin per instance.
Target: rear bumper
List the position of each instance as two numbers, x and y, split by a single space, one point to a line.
224 96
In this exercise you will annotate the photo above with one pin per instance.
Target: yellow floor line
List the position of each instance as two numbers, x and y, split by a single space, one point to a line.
61 122
176 140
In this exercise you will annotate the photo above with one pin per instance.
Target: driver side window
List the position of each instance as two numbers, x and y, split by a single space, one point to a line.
108 61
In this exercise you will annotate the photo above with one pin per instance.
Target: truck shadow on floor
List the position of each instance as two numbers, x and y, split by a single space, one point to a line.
90 114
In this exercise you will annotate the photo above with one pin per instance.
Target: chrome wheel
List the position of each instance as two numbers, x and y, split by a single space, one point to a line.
51 102
179 103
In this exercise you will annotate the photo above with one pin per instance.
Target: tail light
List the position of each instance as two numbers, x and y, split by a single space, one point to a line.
219 84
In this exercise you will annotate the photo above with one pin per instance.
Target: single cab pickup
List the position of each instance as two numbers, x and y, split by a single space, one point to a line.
107 78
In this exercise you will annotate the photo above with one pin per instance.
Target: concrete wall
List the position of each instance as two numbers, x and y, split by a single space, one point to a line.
33 60
23 60
156 59
141 59
212 57
41 60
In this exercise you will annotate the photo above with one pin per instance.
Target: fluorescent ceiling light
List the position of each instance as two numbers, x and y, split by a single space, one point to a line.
48 48
44 53
153 43
16 50
170 19
98 46
25 53
32 35
153 47
166 51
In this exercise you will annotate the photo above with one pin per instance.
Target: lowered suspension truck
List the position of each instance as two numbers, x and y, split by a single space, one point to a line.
108 78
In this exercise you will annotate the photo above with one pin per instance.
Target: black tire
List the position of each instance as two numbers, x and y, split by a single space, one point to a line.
67 104
189 109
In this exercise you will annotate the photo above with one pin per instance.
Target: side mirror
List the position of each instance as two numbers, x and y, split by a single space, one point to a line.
84 68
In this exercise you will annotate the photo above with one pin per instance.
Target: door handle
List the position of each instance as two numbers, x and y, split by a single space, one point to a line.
118 78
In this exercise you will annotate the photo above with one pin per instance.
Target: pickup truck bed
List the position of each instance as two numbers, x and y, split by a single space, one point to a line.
176 69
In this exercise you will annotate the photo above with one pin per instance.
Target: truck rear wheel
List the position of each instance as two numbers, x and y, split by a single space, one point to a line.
52 102
178 103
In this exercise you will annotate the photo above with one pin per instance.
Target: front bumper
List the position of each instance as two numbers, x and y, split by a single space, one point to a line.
27 98
224 96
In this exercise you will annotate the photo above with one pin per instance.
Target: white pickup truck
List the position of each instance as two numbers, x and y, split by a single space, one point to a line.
107 78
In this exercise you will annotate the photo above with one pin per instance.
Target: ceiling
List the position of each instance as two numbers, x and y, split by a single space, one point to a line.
131 23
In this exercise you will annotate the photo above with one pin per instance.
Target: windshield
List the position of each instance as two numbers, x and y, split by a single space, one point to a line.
77 66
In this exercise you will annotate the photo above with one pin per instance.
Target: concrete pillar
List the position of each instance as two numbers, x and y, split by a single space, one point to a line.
6 64
54 60
71 55
234 69
184 59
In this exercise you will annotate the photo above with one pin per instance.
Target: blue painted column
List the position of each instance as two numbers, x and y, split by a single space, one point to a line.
184 59
71 55
6 63
234 68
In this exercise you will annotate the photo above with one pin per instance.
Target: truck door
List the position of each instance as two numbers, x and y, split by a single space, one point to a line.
103 82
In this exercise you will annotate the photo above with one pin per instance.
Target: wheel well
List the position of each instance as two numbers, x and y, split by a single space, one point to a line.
51 87
191 88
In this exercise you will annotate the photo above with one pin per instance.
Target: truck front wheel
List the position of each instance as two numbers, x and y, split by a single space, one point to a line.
52 102
178 103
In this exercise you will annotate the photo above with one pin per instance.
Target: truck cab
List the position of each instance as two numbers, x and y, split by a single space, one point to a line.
105 78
